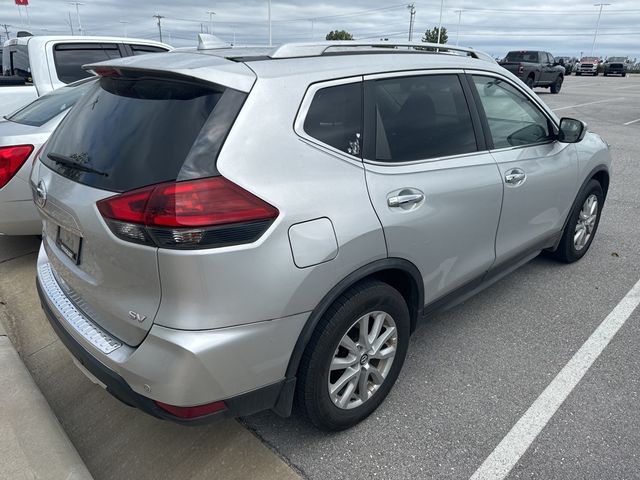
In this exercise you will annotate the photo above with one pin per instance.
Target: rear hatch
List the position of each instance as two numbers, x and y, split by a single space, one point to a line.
133 129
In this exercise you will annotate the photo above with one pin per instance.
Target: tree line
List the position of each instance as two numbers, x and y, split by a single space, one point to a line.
430 35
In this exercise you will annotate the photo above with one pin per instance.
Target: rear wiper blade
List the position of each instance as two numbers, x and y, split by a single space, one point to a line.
68 162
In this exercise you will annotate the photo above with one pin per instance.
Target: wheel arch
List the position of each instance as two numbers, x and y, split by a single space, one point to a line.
599 173
397 272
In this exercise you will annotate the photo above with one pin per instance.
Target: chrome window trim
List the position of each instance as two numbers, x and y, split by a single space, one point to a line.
413 73
303 110
426 160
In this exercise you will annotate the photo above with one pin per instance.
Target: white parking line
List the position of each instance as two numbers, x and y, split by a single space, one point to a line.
509 451
632 121
589 103
628 86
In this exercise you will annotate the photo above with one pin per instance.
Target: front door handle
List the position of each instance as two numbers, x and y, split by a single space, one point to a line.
407 199
515 177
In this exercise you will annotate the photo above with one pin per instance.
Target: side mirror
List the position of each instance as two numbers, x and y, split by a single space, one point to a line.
571 130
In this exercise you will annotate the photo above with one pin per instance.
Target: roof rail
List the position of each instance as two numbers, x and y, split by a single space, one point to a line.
316 49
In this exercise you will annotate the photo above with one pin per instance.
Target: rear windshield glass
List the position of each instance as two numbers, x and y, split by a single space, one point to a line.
45 108
128 133
522 57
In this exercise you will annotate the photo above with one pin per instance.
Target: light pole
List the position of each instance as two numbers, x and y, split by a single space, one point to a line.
211 14
440 22
124 27
593 47
270 42
458 29
77 4
159 17
412 14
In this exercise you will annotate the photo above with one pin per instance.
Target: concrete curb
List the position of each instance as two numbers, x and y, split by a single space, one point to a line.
32 441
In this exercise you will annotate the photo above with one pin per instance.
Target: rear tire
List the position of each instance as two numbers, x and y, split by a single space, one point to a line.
343 377
557 85
529 82
582 225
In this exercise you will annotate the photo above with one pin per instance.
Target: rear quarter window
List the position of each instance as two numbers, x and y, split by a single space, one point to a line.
335 117
70 57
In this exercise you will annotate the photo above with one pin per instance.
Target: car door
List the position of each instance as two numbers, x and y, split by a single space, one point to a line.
539 173
435 188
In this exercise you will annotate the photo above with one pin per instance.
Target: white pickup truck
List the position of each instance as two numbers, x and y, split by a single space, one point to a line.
33 66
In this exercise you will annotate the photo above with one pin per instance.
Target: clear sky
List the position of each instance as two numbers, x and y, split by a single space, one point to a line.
563 27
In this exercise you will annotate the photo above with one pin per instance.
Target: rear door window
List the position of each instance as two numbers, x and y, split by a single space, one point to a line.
70 57
335 117
421 117
127 133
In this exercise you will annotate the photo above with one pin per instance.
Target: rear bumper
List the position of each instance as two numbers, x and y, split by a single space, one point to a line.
181 368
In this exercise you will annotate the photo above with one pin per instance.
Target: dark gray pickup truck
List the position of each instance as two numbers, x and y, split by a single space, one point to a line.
535 68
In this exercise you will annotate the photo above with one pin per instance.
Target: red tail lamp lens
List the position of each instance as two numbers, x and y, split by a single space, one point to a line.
11 160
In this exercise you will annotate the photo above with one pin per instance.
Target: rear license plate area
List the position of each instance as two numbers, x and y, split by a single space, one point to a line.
69 243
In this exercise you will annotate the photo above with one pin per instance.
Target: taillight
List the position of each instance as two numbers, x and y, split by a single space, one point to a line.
192 412
11 160
204 213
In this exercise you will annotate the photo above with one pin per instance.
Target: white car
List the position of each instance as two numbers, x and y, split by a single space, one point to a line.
21 136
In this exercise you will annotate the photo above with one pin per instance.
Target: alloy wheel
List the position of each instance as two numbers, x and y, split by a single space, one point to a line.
586 222
362 360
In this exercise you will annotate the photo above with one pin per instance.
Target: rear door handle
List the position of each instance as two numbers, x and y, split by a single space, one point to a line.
407 199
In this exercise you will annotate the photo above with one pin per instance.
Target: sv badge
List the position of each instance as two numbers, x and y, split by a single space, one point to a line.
136 316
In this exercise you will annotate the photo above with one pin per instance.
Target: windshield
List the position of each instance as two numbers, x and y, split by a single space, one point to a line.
589 59
522 57
45 108
617 59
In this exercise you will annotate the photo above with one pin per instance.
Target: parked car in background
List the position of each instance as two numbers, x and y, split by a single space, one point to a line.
197 265
588 66
535 69
34 65
568 63
615 66
21 136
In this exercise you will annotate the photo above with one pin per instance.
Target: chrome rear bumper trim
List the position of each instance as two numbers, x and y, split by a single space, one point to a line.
72 316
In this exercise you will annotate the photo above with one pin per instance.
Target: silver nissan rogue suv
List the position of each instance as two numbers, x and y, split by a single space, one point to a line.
228 230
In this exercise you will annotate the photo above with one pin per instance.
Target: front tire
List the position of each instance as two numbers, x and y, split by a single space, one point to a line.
582 226
354 356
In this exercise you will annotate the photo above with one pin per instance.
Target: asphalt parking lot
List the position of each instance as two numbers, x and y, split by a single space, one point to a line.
470 375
